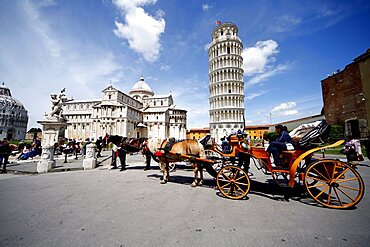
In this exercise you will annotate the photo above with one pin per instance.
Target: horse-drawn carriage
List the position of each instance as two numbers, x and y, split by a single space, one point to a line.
331 183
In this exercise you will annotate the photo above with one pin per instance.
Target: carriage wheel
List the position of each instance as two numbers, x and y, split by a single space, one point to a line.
334 184
233 182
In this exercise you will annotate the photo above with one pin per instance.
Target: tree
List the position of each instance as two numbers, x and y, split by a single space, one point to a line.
34 130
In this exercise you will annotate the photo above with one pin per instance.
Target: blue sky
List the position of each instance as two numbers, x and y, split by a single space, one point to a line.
289 47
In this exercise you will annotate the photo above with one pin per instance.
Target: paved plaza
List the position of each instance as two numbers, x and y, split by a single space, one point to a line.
104 207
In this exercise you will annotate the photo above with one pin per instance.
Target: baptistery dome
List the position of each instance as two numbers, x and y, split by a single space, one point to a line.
141 90
13 116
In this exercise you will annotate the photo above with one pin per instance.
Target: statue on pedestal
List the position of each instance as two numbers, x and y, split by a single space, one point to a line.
57 102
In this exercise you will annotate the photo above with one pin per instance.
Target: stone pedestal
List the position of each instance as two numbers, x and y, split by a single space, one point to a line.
52 129
47 161
90 161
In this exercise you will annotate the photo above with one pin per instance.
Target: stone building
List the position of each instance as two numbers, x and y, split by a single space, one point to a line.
140 113
226 86
346 96
256 131
197 133
13 116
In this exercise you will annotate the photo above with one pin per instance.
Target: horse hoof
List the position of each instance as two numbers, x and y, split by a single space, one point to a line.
193 184
163 181
200 184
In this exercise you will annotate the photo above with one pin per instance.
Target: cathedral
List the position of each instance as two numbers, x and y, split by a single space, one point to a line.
140 113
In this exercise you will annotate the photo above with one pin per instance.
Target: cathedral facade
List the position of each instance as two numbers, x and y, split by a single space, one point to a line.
226 86
140 113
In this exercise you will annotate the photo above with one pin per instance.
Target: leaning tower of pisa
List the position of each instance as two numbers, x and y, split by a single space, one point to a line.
226 86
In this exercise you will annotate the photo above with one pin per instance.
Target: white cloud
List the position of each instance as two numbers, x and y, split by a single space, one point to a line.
263 77
290 112
286 23
259 62
284 106
248 122
206 46
40 27
142 31
206 7
285 109
165 67
257 59
251 96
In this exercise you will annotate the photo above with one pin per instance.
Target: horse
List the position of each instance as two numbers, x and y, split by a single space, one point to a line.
180 151
130 145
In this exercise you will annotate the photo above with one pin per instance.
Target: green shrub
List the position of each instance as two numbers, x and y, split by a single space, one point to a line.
270 136
336 132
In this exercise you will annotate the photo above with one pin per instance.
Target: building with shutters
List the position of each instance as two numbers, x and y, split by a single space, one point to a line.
139 113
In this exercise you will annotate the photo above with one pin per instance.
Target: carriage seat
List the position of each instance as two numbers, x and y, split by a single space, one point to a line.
288 153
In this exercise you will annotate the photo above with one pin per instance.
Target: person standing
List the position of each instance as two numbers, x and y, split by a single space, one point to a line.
114 157
351 149
5 151
243 154
99 146
146 152
122 158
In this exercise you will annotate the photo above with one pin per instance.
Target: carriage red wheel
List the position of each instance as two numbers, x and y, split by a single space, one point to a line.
233 182
334 184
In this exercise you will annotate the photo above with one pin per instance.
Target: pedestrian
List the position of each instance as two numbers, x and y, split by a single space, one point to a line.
146 152
351 149
243 154
225 145
279 145
122 158
114 157
5 151
84 144
99 146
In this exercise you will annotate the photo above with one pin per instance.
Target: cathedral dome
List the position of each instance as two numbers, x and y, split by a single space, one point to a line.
13 116
7 102
141 90
141 86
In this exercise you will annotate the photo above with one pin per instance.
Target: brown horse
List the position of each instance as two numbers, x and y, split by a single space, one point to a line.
181 151
130 145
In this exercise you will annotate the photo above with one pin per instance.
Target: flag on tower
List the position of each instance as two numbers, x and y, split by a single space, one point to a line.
218 23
